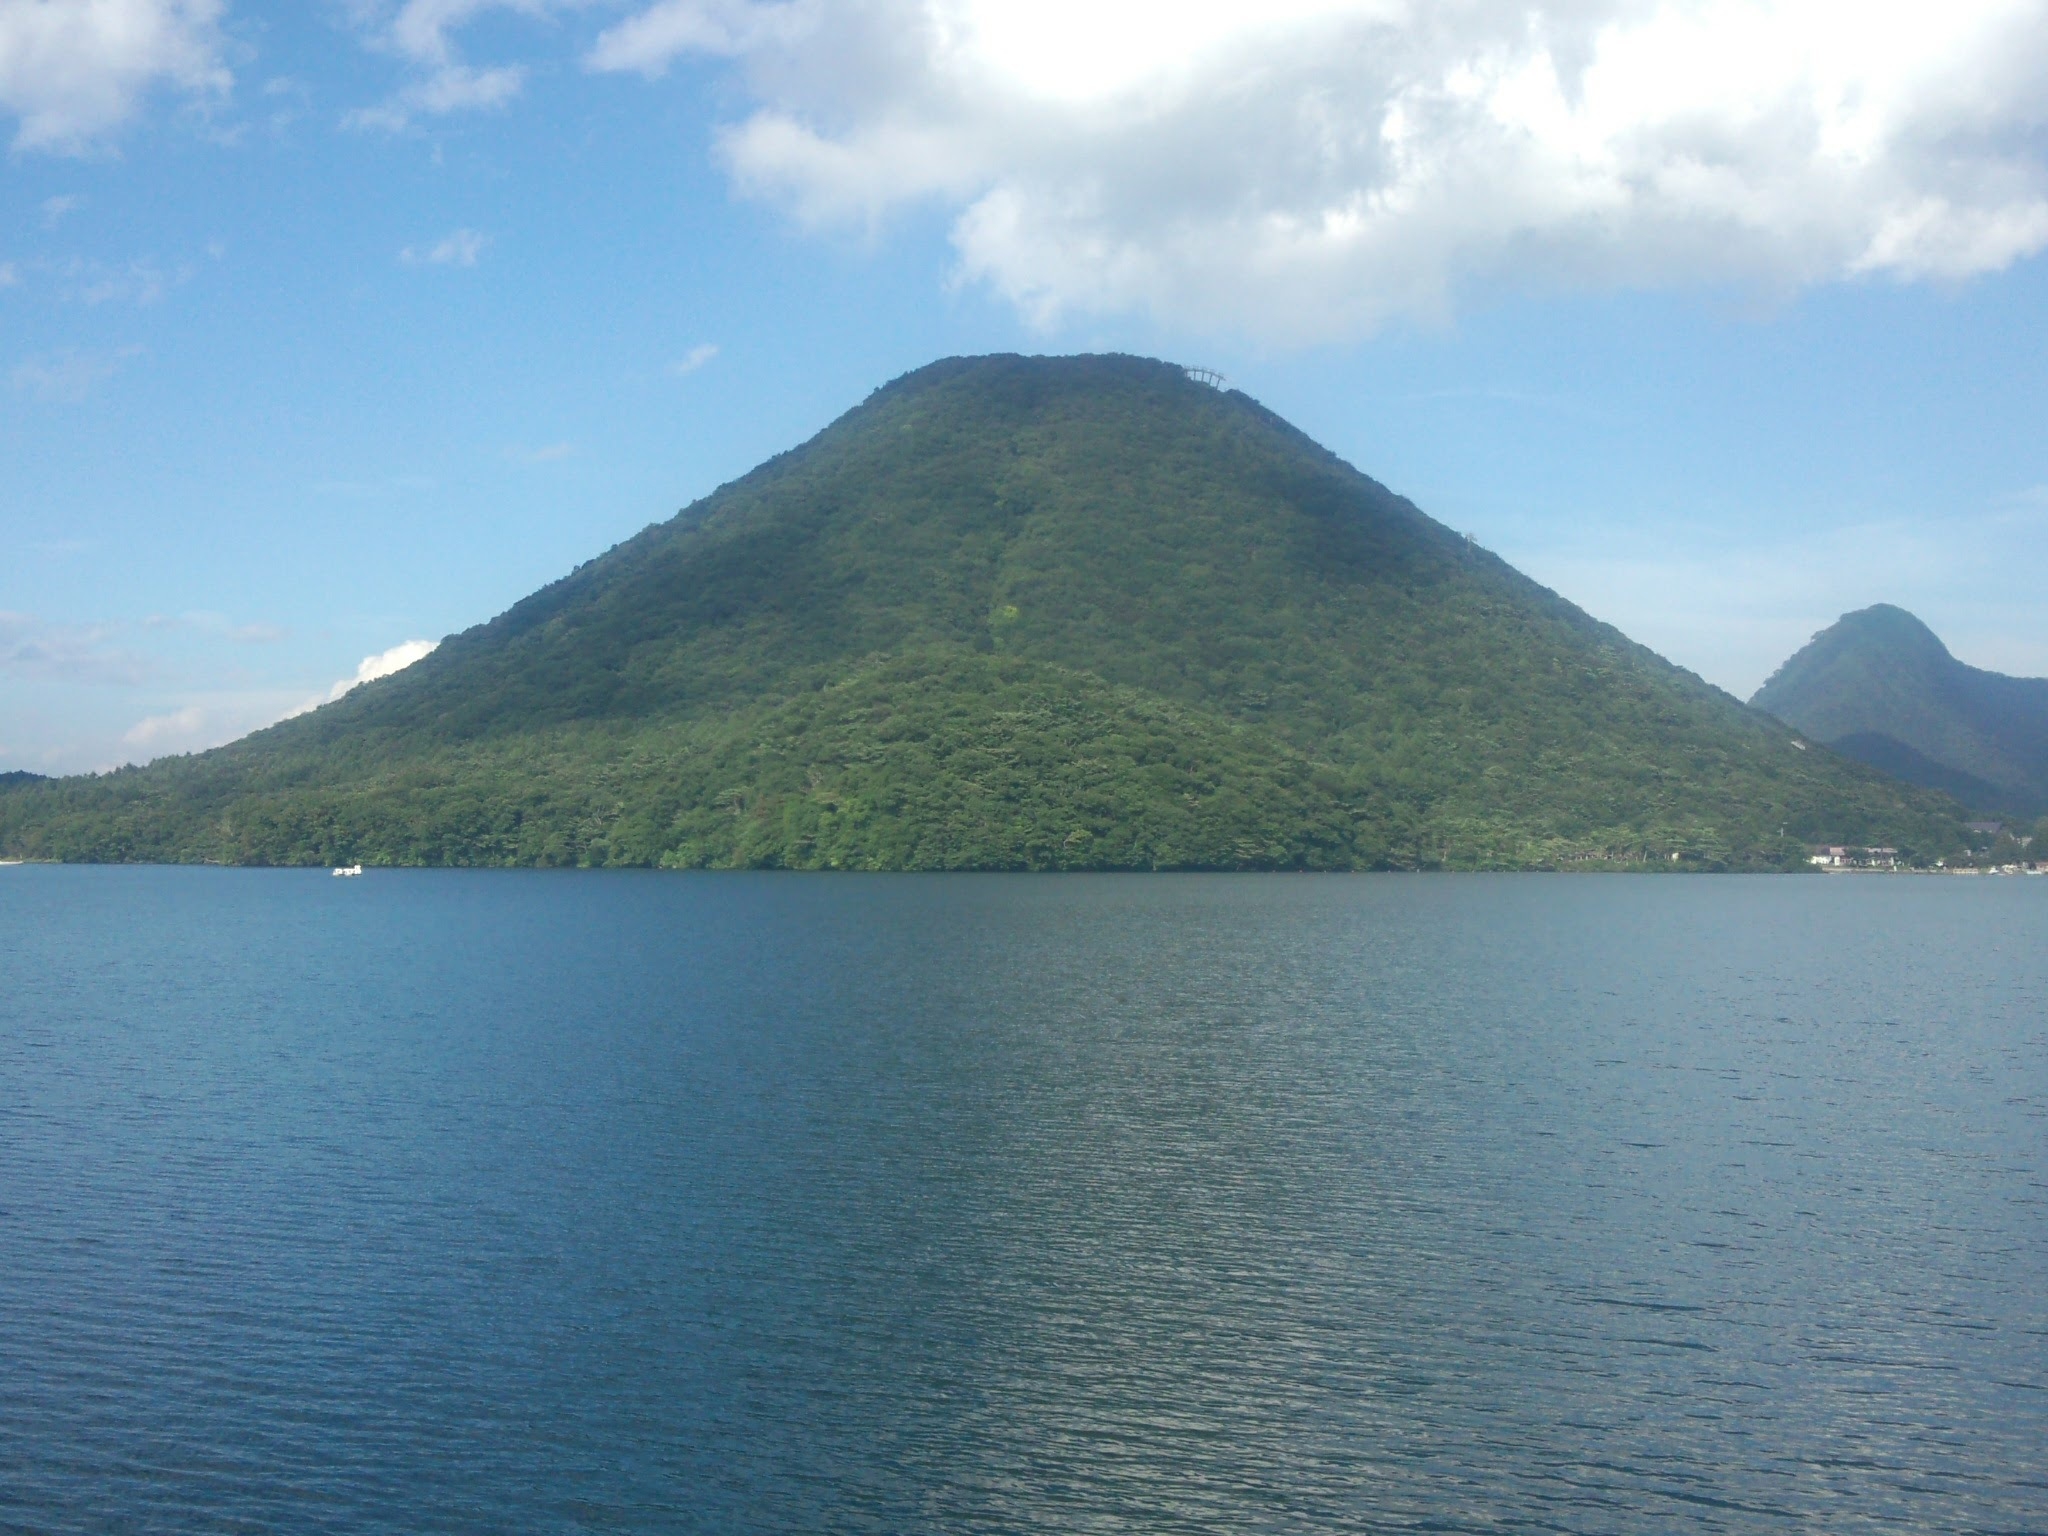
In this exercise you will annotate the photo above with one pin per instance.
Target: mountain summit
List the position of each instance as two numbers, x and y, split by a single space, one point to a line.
1010 612
1879 685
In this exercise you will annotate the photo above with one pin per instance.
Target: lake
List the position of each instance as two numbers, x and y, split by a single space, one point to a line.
448 1201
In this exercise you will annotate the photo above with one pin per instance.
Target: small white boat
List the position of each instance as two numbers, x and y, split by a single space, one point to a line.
347 871
8 863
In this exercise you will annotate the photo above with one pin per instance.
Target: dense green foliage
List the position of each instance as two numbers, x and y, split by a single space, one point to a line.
1019 613
1879 686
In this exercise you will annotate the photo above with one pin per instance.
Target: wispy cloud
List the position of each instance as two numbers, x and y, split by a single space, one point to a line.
648 43
451 88
139 282
66 377
56 208
395 485
458 249
551 453
220 625
1734 608
67 653
420 32
694 359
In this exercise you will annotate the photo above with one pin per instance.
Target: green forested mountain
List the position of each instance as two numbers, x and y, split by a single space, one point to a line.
1018 613
1878 685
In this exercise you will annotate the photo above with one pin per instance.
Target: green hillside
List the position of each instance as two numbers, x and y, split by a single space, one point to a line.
1878 685
1019 613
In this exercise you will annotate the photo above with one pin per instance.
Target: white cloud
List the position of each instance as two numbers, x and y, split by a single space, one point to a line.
209 720
460 249
55 209
547 453
71 71
383 664
8 275
180 728
1305 169
214 719
694 359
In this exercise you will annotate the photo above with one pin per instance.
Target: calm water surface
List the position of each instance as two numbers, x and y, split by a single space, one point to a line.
566 1202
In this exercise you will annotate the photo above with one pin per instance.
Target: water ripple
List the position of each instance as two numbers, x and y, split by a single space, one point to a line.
442 1202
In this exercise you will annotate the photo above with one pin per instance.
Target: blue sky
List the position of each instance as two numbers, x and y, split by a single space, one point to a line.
327 328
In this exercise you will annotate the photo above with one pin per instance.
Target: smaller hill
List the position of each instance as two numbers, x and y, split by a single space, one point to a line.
1879 686
19 777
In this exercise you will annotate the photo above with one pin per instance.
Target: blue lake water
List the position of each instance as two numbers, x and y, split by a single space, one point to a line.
441 1201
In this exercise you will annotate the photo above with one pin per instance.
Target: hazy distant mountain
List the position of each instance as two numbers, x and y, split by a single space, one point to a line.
1878 685
19 777
1013 612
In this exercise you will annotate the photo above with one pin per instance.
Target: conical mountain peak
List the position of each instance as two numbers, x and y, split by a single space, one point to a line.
1020 612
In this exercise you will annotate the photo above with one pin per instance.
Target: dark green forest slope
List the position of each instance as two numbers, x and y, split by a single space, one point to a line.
1044 613
1880 686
